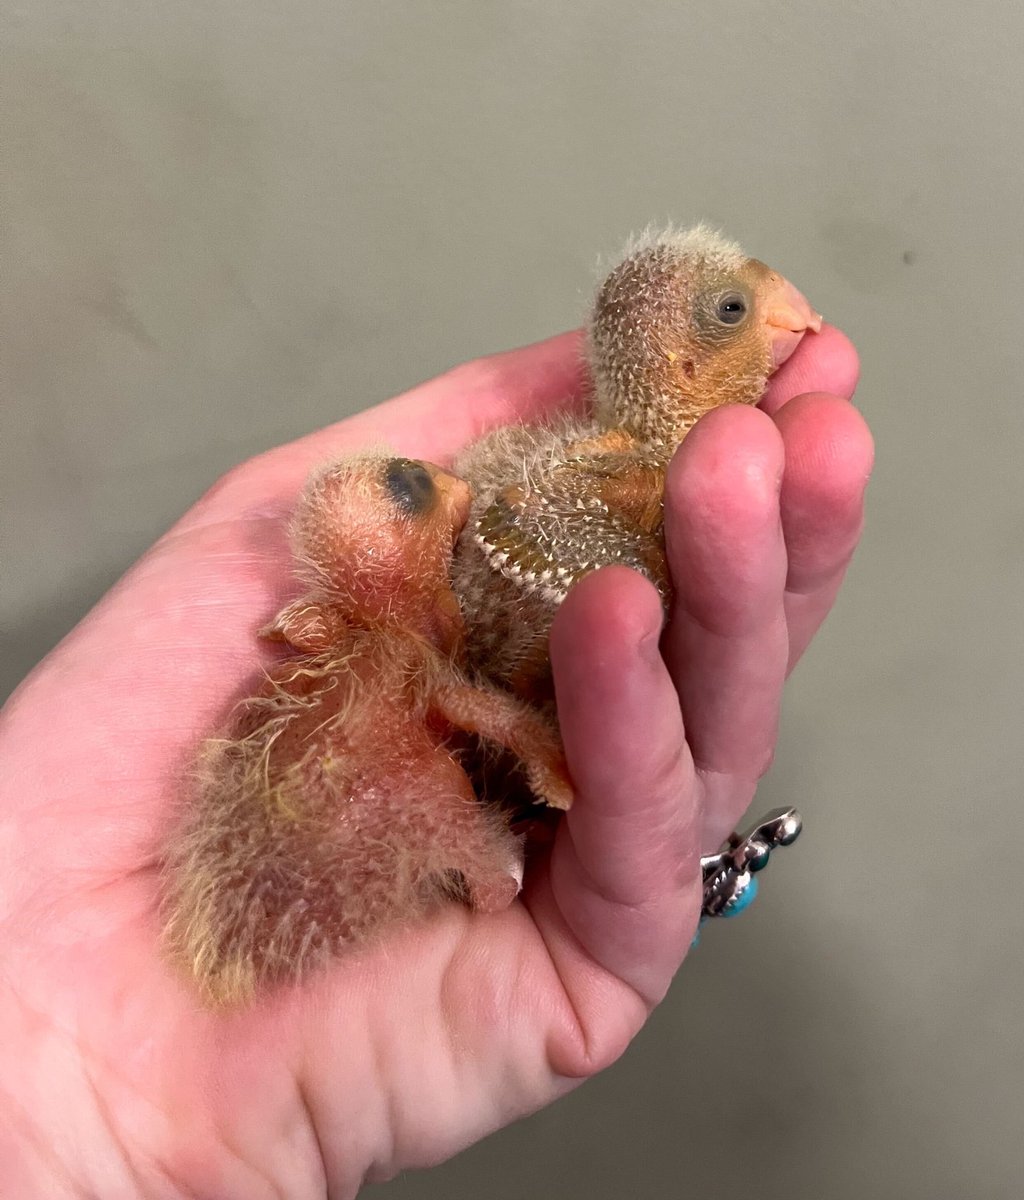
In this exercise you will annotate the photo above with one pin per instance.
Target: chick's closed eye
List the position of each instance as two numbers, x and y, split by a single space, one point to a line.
410 486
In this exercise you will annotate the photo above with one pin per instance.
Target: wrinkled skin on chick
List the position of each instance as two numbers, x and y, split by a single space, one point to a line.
684 323
335 805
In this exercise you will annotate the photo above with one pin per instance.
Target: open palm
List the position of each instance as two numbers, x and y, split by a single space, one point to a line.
117 1082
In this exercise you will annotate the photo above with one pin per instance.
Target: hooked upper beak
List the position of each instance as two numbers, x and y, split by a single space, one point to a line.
788 317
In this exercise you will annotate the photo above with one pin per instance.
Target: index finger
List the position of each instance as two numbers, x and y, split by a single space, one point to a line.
823 362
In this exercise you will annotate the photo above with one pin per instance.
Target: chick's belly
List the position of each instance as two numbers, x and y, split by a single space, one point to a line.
392 782
506 633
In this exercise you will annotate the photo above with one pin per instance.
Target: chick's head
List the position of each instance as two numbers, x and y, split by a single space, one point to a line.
684 323
376 535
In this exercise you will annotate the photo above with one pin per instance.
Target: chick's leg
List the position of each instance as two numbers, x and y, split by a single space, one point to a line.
465 839
500 719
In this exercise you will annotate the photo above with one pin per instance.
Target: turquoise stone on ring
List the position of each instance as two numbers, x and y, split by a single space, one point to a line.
741 901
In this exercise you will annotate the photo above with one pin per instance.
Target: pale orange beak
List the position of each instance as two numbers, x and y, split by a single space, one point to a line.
788 317
456 497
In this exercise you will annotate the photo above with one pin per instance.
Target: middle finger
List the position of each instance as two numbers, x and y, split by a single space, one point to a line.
726 643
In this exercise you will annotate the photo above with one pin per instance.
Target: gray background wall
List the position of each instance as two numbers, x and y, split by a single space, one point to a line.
228 223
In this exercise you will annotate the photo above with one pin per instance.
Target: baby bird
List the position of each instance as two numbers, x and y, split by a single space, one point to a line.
684 323
336 805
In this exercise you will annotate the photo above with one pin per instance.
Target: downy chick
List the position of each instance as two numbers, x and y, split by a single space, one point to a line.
684 323
336 806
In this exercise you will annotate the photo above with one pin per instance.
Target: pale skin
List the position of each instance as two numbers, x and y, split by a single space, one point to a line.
117 1083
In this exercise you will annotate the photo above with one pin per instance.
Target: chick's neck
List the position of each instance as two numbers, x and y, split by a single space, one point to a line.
658 414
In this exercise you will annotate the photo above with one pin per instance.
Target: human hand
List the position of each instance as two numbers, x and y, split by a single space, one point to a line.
116 1082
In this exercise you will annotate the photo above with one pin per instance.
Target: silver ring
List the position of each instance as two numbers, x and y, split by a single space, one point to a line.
729 883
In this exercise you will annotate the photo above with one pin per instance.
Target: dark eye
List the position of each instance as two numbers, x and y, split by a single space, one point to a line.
731 308
409 484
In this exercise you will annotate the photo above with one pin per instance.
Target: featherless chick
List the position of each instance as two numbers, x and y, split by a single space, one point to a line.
335 805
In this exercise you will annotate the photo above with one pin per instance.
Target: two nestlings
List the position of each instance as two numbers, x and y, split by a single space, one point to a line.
337 806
